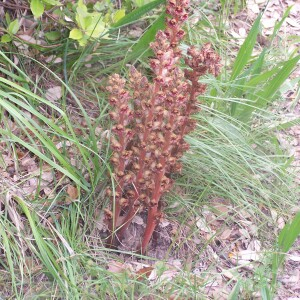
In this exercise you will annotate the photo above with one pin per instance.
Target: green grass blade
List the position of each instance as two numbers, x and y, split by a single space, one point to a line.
8 254
262 98
288 124
143 44
277 81
45 158
264 77
286 239
279 24
13 76
137 13
44 251
234 295
246 50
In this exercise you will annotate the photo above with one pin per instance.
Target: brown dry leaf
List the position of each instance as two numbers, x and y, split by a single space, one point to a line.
228 274
293 22
53 59
28 38
226 234
293 257
248 255
201 224
280 222
168 275
72 191
28 162
254 245
269 22
138 220
144 273
116 267
63 144
253 7
48 192
13 214
47 176
53 94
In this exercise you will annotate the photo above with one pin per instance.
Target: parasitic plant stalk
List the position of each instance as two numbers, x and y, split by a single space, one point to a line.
151 120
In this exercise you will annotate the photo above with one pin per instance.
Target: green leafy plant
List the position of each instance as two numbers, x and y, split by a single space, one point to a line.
12 29
38 6
90 24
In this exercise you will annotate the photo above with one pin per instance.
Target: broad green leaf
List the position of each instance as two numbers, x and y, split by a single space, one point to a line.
7 18
81 17
6 38
52 2
96 28
118 15
246 49
81 5
53 35
82 42
137 13
37 8
138 3
76 34
13 27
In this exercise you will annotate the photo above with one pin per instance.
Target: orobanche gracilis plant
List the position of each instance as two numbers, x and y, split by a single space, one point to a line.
150 122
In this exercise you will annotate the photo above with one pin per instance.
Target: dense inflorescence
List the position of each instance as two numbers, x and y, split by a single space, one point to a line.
151 120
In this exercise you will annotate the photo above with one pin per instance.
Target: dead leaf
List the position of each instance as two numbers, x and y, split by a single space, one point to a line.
144 273
116 267
28 38
138 220
53 94
248 255
201 224
254 245
254 8
268 22
293 258
226 234
293 22
63 144
72 191
280 222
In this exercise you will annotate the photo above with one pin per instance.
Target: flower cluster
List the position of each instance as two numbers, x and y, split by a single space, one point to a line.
151 120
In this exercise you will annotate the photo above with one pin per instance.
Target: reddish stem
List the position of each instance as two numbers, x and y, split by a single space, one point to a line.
152 221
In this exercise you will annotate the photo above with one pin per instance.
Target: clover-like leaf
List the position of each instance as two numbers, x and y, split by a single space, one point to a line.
37 8
13 27
76 34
